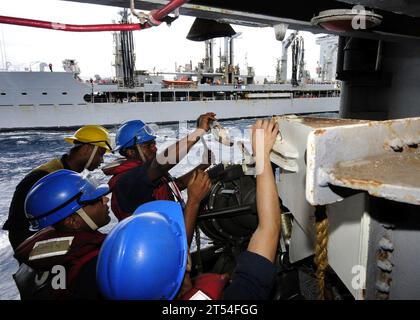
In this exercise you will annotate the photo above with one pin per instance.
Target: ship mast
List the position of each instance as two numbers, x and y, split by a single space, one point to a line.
124 54
327 57
208 61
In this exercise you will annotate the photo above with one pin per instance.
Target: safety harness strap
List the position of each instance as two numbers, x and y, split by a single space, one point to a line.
92 155
82 213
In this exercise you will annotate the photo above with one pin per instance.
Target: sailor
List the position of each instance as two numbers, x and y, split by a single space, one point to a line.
124 274
142 175
89 145
67 209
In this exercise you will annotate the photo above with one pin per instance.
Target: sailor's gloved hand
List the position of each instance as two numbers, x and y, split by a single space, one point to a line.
199 186
204 121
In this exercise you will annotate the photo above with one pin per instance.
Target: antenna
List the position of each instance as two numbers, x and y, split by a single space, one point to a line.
3 51
246 60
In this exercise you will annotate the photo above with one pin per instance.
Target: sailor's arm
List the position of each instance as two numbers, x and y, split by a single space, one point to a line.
208 159
265 239
198 188
172 155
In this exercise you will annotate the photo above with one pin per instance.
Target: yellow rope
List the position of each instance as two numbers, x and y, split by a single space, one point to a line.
321 253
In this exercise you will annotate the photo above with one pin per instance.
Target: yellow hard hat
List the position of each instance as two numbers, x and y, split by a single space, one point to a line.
92 134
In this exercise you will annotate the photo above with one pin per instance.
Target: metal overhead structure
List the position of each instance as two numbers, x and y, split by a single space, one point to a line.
409 8
400 19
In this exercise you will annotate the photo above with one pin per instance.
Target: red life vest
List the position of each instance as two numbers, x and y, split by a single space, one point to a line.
207 286
49 247
161 192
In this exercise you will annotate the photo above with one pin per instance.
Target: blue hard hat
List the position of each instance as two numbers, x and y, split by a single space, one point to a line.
145 256
131 133
58 195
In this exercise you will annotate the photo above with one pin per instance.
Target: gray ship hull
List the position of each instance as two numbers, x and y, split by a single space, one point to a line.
57 100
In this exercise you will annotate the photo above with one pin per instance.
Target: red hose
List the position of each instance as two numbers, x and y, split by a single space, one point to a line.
71 27
157 15
171 6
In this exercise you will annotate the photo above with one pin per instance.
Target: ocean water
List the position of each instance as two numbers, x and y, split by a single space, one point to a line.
21 151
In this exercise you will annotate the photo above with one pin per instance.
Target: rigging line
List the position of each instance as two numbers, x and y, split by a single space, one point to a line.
3 50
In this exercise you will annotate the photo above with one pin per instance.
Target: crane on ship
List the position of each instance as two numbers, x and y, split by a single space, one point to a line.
281 74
